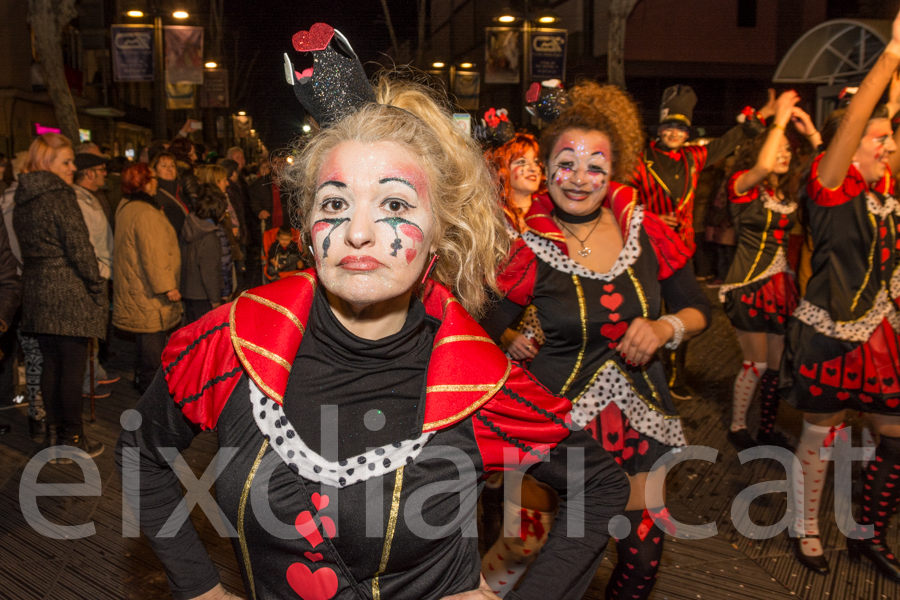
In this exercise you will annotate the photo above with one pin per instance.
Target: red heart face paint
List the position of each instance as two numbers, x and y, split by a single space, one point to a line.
372 225
579 171
525 174
875 148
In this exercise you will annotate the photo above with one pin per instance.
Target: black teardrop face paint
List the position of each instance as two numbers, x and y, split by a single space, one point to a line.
323 224
408 228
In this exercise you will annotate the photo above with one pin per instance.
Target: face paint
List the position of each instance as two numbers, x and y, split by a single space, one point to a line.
874 150
323 224
368 186
579 171
525 173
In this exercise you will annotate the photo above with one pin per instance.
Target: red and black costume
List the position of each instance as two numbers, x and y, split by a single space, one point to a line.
759 292
425 412
584 314
842 349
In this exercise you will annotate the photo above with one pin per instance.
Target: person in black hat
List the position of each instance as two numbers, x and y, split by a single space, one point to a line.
666 175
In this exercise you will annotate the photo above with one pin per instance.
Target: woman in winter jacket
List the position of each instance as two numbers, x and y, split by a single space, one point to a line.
146 273
64 298
202 281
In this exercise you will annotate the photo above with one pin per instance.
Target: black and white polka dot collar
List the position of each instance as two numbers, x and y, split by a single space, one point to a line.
550 253
302 460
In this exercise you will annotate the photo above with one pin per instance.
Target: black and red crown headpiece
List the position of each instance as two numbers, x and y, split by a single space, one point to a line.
336 84
495 128
546 100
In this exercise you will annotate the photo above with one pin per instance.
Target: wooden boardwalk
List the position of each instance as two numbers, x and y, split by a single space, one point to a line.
107 565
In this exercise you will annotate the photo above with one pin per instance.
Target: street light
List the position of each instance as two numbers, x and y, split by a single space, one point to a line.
211 65
438 65
242 114
466 65
159 83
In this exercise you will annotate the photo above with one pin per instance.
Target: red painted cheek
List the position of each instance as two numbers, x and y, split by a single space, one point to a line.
319 227
411 255
412 232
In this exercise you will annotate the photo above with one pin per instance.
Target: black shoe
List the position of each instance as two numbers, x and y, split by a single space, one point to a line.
880 555
79 441
741 439
816 564
679 392
774 438
37 429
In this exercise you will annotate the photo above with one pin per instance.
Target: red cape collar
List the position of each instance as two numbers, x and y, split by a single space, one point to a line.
620 199
466 368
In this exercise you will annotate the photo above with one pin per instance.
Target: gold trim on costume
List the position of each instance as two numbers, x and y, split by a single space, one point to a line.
472 407
660 181
277 307
582 308
676 117
871 262
236 343
762 246
241 510
479 387
462 338
267 353
389 537
640 292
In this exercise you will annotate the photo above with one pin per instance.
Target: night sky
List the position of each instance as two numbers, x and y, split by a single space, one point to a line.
269 25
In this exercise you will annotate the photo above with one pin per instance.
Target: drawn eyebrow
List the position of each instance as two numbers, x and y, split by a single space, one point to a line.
337 184
401 180
563 150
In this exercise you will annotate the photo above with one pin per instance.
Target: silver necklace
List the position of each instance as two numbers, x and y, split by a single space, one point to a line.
585 250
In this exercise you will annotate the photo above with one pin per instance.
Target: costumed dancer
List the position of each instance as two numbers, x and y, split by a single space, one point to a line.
759 293
667 172
842 350
361 394
597 266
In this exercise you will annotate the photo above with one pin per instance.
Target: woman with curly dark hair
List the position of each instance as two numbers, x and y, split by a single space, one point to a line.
760 293
597 266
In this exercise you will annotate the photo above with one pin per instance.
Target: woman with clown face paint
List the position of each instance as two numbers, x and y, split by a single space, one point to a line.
842 348
597 267
363 402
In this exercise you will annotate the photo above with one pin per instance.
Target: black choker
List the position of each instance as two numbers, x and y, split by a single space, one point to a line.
576 219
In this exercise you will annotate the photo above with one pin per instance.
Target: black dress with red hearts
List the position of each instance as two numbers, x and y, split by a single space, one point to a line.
367 494
584 315
759 293
842 349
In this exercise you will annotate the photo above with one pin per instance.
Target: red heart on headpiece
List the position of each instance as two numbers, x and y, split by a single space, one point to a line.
533 93
306 74
317 38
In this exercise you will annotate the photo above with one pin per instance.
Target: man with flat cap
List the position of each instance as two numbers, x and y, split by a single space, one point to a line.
90 178
666 175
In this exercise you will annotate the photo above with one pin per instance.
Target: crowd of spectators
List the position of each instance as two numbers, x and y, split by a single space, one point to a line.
93 245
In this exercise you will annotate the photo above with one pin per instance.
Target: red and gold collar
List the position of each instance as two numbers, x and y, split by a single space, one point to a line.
466 368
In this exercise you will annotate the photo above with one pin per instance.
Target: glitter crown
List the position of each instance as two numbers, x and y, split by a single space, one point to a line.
546 100
336 84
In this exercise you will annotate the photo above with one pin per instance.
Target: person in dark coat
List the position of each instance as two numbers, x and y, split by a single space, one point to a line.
268 203
201 257
64 297
10 298
167 196
185 159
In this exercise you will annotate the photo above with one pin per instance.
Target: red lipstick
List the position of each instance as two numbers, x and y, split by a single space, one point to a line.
359 263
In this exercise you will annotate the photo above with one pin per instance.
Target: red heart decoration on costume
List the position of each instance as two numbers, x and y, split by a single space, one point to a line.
882 230
612 301
319 501
634 550
656 540
510 572
885 254
307 528
306 74
614 332
865 398
815 390
614 317
809 371
609 287
778 234
627 453
842 395
643 447
317 38
783 222
312 585
752 312
502 582
653 563
613 345
313 556
893 402
533 93
780 319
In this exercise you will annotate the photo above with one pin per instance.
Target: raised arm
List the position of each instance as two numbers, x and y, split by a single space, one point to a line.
834 165
765 164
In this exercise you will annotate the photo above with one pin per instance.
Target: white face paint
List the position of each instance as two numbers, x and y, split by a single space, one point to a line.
875 149
579 171
372 225
525 173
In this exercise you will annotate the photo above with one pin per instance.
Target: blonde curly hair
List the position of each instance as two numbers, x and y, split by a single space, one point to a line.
609 110
469 236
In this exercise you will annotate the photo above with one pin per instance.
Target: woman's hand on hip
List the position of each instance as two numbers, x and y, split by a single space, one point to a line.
518 346
483 592
643 338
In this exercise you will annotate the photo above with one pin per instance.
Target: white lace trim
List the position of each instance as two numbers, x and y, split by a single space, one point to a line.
779 264
882 210
895 283
774 205
851 331
548 252
302 460
612 386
